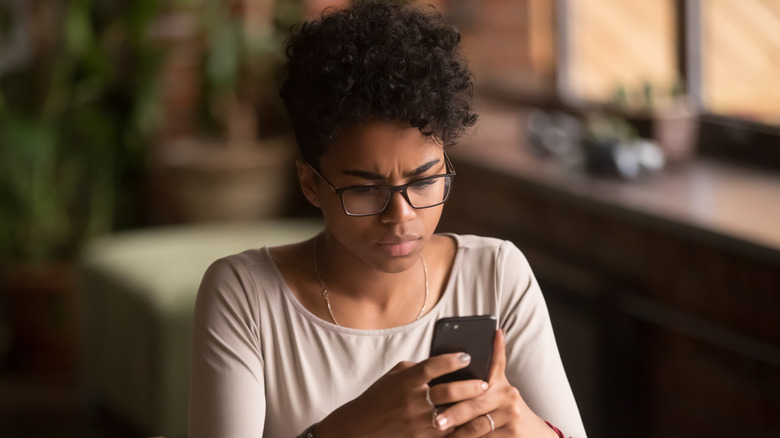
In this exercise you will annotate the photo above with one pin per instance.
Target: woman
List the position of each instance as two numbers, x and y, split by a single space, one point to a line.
329 337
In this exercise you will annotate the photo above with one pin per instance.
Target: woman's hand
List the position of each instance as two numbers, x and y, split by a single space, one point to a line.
499 412
397 405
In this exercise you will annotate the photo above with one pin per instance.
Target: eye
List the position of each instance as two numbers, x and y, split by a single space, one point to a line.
362 190
423 183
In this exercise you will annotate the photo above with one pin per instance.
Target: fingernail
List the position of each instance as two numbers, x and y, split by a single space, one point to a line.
442 421
464 358
484 386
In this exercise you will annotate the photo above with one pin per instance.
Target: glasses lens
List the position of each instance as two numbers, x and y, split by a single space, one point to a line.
365 200
428 192
422 193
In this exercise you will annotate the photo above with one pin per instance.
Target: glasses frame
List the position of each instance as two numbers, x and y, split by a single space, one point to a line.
449 169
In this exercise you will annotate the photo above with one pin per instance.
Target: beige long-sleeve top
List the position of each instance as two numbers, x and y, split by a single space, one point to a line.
264 366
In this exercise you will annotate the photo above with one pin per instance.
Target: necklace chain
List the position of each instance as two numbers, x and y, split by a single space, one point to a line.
325 289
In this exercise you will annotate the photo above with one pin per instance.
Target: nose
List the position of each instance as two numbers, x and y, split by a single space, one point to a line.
398 210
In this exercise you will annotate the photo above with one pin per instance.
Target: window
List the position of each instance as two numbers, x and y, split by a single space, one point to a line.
620 51
722 56
727 53
740 56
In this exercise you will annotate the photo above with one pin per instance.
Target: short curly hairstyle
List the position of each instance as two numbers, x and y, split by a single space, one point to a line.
375 61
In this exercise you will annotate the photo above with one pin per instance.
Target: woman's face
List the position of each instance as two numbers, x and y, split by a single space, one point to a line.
384 154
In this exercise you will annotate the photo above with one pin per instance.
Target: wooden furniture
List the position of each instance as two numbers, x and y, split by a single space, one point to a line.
664 292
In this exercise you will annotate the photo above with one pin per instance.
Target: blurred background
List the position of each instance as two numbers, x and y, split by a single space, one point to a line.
630 148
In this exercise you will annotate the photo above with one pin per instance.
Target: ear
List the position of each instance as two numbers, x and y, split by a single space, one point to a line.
308 182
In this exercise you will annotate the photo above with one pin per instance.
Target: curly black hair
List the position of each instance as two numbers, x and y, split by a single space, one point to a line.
375 61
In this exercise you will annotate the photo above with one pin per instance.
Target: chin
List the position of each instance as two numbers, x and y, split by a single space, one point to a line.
398 266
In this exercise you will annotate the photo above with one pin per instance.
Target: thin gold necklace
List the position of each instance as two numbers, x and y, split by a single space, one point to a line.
325 290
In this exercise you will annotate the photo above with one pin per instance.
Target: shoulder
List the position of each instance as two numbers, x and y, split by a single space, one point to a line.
239 275
238 286
498 259
243 262
470 245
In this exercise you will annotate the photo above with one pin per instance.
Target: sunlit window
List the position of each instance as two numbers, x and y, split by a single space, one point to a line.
626 52
741 58
620 51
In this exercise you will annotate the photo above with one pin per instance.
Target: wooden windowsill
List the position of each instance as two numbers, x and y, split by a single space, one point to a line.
722 203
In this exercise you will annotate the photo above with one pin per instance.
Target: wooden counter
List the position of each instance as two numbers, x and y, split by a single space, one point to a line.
665 292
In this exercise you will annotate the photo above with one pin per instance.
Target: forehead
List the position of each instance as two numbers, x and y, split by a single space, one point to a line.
381 145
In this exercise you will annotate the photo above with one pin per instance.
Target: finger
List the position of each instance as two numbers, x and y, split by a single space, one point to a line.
478 427
403 365
436 366
466 415
498 365
447 393
466 411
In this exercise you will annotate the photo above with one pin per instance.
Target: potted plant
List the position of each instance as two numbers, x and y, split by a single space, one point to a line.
666 117
612 146
72 118
238 167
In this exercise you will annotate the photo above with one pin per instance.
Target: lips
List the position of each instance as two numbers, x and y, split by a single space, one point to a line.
399 246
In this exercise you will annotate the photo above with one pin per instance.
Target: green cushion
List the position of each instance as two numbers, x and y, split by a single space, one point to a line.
138 291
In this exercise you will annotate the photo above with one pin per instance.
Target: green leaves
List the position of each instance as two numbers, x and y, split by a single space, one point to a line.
77 30
36 223
224 59
72 125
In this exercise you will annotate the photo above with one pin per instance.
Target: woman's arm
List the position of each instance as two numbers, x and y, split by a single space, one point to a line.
227 392
534 364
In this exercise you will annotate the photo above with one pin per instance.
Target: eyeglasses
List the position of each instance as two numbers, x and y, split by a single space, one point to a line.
368 200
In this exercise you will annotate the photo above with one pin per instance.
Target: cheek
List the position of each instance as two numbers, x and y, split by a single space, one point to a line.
346 228
430 217
351 233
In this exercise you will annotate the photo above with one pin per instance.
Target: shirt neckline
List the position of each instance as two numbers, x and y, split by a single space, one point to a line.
424 320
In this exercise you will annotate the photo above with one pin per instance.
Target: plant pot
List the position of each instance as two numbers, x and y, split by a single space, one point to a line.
675 129
676 132
38 305
208 180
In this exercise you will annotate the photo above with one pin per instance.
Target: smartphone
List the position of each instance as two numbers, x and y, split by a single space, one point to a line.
468 334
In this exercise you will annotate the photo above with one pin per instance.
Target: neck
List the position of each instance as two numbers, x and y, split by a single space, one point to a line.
354 277
357 291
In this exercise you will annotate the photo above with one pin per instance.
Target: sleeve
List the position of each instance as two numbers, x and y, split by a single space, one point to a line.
227 390
534 364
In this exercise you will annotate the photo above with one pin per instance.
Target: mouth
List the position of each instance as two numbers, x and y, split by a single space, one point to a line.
399 246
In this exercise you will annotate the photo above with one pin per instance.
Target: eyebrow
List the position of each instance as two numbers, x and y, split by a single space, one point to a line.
378 177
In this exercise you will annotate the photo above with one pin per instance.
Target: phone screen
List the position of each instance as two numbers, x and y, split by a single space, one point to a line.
469 334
